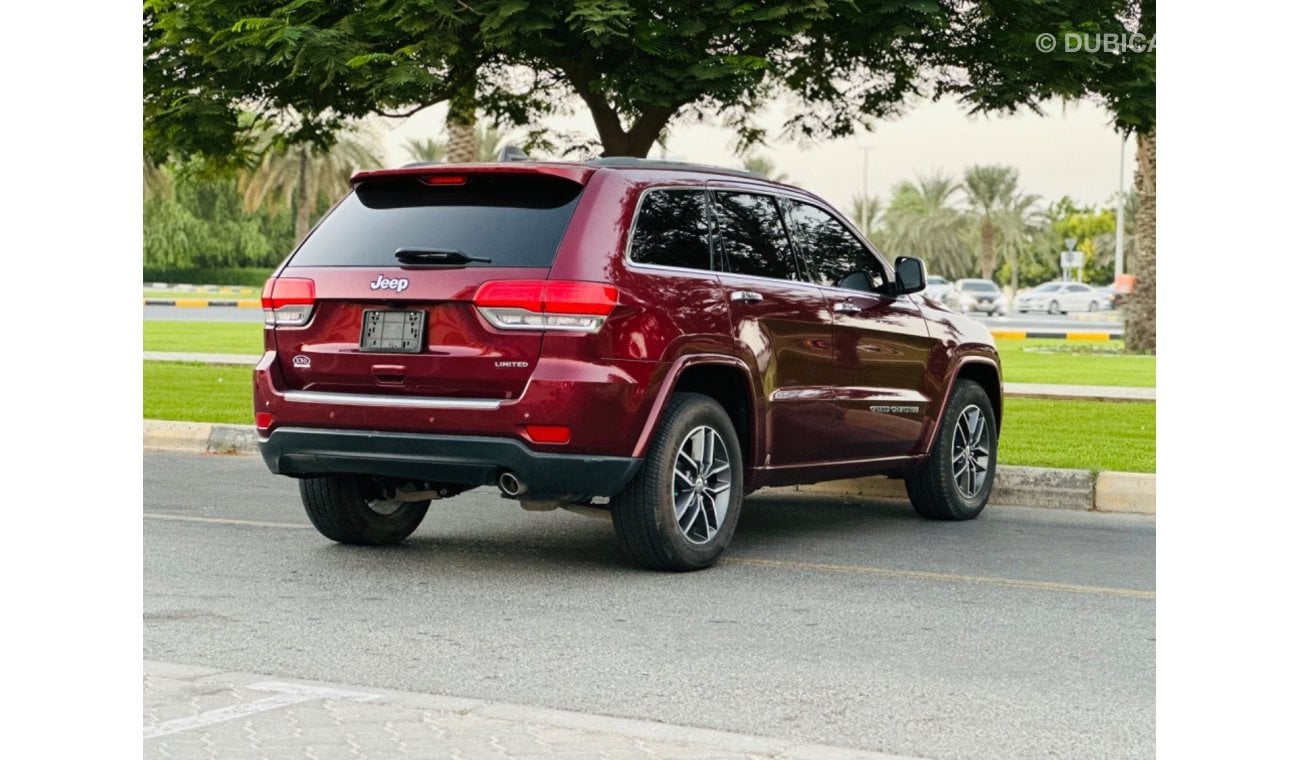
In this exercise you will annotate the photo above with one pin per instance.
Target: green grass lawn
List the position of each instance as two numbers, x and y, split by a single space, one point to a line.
1059 362
203 337
1023 361
198 393
1086 435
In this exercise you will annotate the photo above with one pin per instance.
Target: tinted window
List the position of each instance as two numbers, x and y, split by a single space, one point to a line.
752 236
516 221
980 286
830 250
672 229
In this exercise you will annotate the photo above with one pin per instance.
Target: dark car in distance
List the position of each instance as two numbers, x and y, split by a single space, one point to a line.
648 338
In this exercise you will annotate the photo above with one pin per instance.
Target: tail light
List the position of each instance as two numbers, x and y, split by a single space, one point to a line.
288 301
546 304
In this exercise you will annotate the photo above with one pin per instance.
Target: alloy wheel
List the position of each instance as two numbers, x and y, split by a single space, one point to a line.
970 451
701 484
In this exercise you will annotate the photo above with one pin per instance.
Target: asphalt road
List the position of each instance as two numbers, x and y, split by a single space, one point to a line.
1026 633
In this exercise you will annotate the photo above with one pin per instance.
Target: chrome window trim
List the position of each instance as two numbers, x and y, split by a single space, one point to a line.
792 194
636 216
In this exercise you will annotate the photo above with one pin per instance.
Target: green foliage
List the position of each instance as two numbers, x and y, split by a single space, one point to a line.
309 66
995 48
202 224
923 220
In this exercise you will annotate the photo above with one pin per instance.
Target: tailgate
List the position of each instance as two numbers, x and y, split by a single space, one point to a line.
380 325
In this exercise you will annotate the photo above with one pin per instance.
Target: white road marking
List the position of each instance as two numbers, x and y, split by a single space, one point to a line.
222 521
287 694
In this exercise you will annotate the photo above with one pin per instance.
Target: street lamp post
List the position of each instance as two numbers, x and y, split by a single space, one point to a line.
866 151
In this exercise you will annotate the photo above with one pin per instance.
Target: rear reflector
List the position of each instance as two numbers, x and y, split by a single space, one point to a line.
288 300
547 433
262 420
546 304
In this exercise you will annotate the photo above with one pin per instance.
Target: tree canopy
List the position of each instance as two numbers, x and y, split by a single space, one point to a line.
310 65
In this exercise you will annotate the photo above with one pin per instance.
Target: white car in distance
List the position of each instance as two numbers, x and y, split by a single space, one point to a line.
1061 298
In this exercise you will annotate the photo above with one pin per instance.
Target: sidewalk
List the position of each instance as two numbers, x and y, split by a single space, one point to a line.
1012 390
194 712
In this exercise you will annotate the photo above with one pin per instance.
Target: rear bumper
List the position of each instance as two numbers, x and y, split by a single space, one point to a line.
444 459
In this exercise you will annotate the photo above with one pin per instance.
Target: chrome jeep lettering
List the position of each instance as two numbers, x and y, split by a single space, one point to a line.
387 283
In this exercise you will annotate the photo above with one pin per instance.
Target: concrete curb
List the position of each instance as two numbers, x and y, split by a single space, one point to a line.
199 303
1059 334
1080 490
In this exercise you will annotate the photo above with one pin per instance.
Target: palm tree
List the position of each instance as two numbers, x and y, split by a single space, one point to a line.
763 167
157 181
1018 223
990 192
461 121
923 221
301 175
488 143
426 151
866 217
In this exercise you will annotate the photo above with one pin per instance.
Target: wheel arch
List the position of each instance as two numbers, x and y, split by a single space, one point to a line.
726 380
982 369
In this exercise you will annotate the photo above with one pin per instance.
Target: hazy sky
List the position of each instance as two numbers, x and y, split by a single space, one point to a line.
1071 150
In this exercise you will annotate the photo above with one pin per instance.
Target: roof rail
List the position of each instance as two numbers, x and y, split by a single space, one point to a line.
629 162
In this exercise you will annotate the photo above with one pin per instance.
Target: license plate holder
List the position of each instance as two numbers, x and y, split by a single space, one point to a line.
387 331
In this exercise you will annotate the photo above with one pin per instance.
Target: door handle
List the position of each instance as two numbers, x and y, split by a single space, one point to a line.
746 296
846 307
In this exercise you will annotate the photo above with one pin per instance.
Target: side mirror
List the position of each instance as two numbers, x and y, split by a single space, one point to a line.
909 275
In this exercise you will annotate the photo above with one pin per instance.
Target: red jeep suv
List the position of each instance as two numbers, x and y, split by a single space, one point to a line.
648 338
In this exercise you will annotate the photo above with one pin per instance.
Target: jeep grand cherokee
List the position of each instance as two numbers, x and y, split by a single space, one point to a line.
652 339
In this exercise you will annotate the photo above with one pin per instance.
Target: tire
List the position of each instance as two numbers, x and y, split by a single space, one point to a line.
662 518
346 509
1092 306
1054 308
943 489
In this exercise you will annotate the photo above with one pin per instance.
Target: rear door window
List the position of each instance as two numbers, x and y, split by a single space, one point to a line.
752 235
672 229
510 219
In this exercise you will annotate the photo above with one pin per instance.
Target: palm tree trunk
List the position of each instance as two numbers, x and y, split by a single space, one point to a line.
304 197
986 250
1015 269
461 120
1140 326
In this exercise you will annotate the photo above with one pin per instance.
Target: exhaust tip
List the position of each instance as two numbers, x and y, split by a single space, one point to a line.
511 485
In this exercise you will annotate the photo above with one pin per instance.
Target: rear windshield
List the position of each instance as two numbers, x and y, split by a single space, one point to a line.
511 220
986 287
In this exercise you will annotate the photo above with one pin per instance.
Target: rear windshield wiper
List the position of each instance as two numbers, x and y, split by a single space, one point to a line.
436 257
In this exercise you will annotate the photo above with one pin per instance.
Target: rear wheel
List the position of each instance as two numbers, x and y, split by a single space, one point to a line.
351 509
680 511
1093 306
1054 308
956 481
